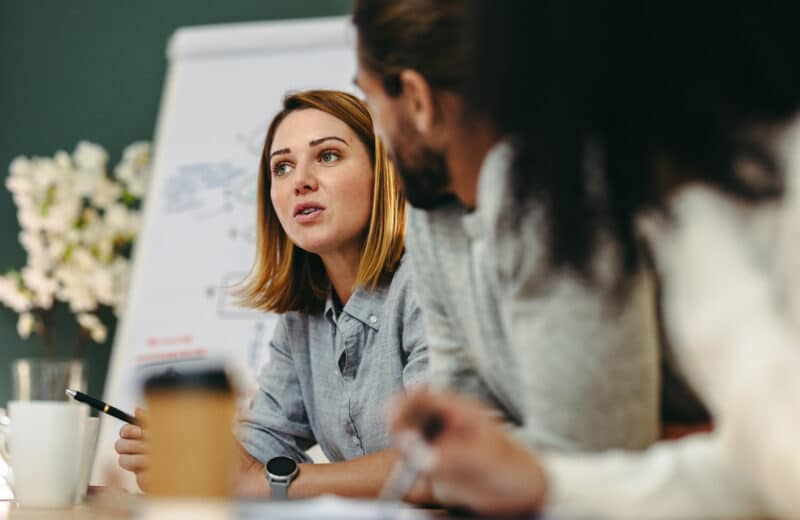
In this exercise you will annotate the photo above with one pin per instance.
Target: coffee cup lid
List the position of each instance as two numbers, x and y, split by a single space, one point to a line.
215 379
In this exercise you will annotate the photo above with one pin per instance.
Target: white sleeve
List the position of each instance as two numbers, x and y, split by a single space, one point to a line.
685 478
728 323
788 256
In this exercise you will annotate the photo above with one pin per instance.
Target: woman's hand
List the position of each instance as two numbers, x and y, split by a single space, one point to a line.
132 449
477 464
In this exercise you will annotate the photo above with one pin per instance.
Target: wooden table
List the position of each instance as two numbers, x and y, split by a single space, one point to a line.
11 512
87 511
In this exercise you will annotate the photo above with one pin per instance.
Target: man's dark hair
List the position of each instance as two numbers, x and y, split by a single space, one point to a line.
634 89
422 35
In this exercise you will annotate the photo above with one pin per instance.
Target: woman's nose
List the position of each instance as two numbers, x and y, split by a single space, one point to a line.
304 179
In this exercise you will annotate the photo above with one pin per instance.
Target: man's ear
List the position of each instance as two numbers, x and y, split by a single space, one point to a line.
419 101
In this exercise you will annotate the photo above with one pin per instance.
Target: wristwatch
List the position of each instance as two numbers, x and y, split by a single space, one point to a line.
280 472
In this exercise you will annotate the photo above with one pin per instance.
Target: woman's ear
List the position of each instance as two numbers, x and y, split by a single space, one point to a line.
418 100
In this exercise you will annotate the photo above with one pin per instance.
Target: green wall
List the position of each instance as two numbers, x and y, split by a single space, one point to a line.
92 69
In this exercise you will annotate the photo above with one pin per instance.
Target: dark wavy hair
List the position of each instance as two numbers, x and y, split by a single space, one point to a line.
423 35
630 99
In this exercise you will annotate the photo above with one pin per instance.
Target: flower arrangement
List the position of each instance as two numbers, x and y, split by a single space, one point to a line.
77 225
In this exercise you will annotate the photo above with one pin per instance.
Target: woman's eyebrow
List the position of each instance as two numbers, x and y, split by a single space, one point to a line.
279 152
315 142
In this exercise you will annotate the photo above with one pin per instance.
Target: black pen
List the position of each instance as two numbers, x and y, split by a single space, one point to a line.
97 404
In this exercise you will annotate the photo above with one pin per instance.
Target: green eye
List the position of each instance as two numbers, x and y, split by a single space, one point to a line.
281 168
329 156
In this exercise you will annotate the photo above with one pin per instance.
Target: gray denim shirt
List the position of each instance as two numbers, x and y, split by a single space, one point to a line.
328 378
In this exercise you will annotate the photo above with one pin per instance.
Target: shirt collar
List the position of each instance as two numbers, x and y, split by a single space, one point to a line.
364 305
492 183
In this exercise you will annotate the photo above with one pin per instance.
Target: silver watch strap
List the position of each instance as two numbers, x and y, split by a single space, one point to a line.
279 489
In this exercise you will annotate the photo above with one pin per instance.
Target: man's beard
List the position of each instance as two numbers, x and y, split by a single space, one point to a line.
424 175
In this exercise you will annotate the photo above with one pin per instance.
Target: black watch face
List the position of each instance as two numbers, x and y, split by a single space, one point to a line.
281 466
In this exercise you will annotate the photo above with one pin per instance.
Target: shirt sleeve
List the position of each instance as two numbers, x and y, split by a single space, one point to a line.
450 365
415 345
276 423
687 478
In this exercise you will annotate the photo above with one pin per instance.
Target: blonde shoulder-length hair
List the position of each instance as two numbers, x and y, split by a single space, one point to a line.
287 278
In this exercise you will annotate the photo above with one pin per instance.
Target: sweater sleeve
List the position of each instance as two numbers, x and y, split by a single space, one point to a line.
450 365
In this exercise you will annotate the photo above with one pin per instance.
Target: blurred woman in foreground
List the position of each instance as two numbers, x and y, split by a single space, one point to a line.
686 119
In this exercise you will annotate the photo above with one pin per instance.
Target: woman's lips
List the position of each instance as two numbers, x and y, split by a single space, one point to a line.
308 214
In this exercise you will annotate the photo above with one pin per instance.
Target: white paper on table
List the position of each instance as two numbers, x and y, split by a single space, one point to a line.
329 507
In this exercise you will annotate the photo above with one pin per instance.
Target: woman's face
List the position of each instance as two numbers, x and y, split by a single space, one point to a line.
321 183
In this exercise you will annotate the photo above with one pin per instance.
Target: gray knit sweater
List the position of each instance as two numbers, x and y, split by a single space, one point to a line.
568 370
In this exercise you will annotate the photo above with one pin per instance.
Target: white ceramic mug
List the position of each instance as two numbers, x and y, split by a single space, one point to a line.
45 447
87 457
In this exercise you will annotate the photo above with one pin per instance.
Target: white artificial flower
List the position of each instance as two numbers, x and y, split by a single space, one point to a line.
72 236
25 203
102 284
138 154
68 275
30 219
63 160
74 289
20 166
41 260
41 285
106 193
31 242
93 229
38 280
19 185
83 258
25 325
124 172
79 297
92 323
116 218
104 249
99 334
61 216
84 182
44 300
93 233
138 187
46 173
90 216
63 190
90 156
73 223
134 223
87 320
56 248
134 169
12 295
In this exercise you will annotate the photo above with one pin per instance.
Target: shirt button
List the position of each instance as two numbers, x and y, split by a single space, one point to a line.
373 318
356 442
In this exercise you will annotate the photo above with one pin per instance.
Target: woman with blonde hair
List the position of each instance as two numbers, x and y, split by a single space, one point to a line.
329 260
